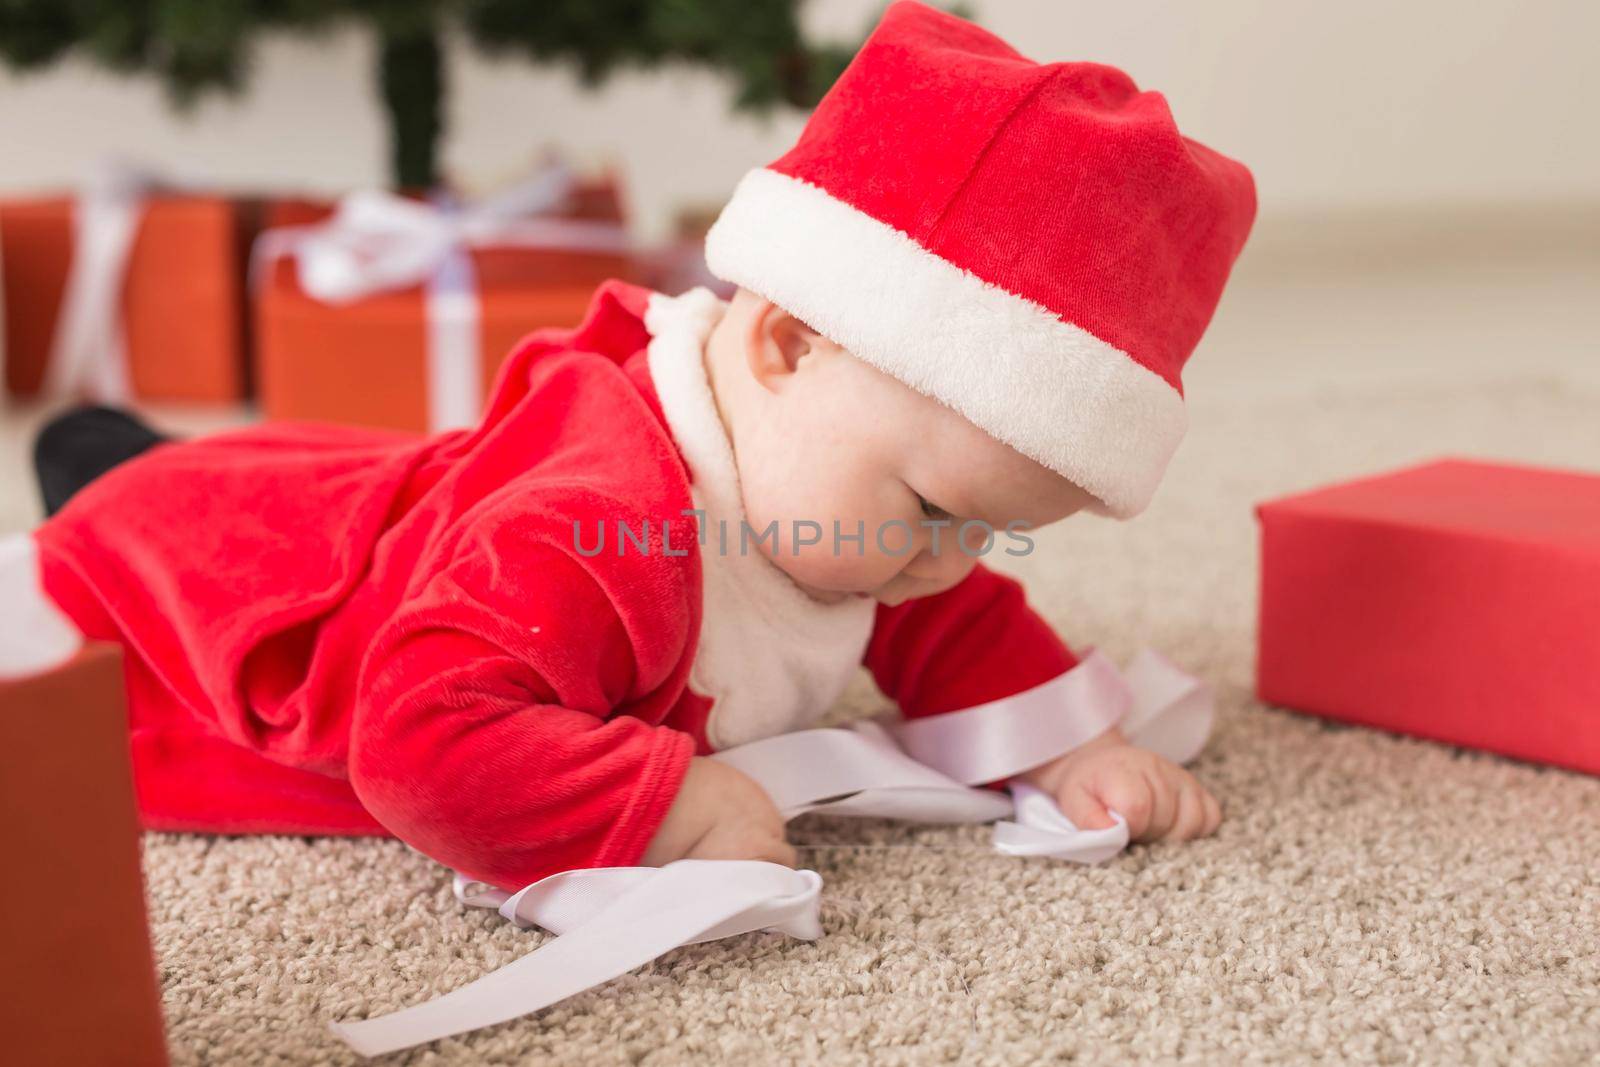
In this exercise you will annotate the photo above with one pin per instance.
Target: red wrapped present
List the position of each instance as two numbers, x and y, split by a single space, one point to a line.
78 985
1457 600
123 291
397 313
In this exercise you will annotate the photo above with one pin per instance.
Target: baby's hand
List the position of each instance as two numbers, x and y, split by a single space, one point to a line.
1159 799
720 813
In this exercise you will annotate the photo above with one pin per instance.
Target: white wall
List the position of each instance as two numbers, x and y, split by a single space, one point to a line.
1352 104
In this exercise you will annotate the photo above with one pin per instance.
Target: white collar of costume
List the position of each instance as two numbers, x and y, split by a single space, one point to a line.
771 657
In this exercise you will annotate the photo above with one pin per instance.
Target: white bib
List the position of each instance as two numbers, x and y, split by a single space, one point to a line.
772 658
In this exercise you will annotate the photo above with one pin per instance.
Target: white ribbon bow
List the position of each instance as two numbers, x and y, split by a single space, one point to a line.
613 919
377 242
88 351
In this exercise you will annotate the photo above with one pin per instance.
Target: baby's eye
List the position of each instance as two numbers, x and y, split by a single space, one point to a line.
931 510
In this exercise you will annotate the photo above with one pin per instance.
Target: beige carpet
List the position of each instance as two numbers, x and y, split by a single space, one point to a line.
1368 899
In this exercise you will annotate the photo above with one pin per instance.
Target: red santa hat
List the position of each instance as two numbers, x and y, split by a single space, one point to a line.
1033 244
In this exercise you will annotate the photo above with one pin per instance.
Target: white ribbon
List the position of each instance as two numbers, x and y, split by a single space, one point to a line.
613 919
377 242
630 919
88 350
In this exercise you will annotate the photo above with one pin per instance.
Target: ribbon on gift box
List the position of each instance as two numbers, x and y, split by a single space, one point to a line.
88 351
378 242
609 920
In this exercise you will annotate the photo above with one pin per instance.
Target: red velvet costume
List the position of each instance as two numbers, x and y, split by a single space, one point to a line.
334 630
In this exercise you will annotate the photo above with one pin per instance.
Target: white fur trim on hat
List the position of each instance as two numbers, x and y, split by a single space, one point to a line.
1049 389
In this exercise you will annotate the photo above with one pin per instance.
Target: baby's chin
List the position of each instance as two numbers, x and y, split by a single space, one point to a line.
904 587
891 595
897 590
833 596
827 594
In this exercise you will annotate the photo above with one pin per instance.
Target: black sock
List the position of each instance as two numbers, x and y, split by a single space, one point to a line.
76 447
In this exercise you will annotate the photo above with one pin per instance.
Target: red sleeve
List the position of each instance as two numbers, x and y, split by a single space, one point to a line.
971 644
481 734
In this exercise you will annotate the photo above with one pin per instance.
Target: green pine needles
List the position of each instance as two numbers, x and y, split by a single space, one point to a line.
199 46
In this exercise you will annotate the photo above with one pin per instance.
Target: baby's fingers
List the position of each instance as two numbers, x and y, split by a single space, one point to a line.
1163 809
780 851
1131 796
1213 815
745 840
1083 808
1189 818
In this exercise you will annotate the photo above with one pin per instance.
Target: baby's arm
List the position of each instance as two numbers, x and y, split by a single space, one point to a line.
973 643
980 641
485 731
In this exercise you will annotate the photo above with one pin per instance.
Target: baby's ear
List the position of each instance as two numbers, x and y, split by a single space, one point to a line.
793 338
776 342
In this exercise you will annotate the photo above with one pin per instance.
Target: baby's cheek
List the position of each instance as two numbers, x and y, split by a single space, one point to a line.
820 514
858 550
843 564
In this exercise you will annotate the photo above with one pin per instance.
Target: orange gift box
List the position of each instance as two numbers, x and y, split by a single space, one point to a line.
365 362
78 984
182 296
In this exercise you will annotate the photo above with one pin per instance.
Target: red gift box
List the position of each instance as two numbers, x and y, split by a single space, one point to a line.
1458 601
180 303
78 983
366 362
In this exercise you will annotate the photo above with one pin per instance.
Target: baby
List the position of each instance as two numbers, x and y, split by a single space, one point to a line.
963 303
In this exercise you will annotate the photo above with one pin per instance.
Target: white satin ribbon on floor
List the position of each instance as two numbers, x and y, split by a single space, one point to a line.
613 919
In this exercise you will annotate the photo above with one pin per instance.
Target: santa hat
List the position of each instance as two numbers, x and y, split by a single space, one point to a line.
1033 244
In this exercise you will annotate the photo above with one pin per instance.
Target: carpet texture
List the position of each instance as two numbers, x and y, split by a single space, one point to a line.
1368 899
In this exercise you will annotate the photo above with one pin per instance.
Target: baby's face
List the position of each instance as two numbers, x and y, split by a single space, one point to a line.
822 438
